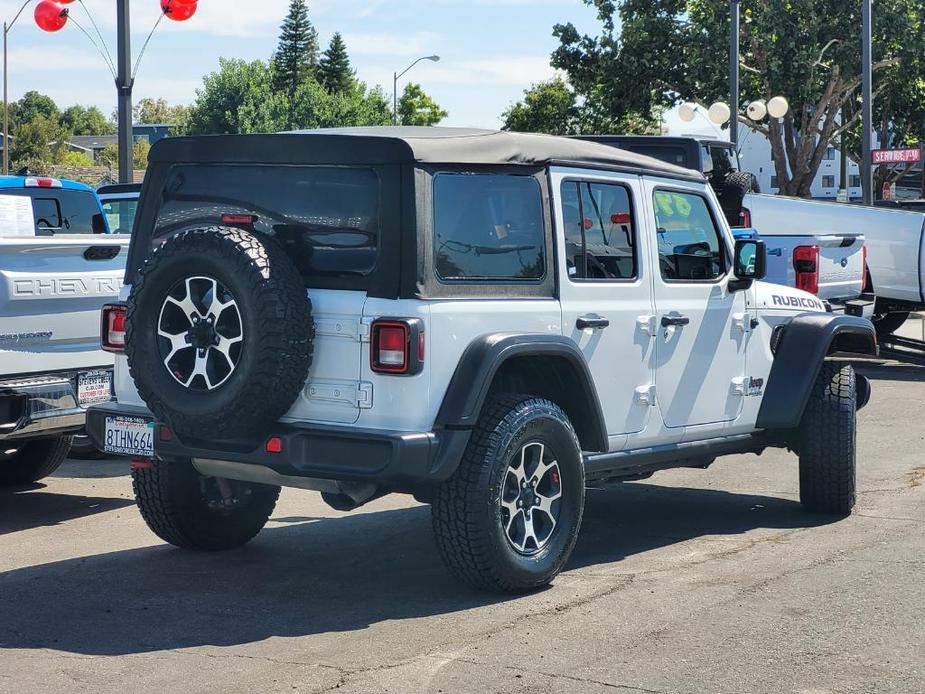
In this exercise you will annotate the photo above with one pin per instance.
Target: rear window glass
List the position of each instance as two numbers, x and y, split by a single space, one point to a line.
488 227
326 217
57 211
120 214
669 154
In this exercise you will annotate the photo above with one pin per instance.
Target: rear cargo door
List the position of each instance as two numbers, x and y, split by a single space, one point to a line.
51 290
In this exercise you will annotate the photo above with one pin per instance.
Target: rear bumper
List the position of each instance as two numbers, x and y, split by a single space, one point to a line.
40 406
398 460
862 307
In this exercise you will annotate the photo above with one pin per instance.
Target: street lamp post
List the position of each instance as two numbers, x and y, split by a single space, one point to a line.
734 29
124 83
6 101
867 120
395 77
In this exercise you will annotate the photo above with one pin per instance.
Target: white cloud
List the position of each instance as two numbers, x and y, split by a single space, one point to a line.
517 71
420 43
26 60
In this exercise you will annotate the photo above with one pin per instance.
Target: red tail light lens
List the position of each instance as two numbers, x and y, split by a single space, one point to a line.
397 346
112 329
239 219
745 218
806 265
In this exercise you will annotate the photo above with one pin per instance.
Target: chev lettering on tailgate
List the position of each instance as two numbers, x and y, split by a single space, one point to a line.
46 287
796 302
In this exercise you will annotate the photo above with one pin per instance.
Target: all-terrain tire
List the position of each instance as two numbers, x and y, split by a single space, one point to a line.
736 186
828 442
184 508
33 460
466 509
889 323
276 326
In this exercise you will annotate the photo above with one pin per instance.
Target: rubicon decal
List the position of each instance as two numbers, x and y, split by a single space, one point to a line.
797 302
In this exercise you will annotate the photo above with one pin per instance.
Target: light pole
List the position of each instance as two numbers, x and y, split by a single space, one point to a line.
734 29
867 113
6 101
396 75
124 82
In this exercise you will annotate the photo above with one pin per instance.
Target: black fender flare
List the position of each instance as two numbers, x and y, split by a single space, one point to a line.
481 361
801 348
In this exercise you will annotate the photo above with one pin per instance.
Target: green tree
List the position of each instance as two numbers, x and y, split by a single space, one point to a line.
109 156
417 108
334 71
548 107
86 120
140 154
39 139
296 56
75 159
150 111
238 98
651 54
31 106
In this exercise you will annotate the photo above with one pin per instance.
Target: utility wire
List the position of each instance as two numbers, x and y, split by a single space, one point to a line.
105 45
95 45
144 46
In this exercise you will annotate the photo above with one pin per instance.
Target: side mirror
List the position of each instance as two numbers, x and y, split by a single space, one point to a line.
750 261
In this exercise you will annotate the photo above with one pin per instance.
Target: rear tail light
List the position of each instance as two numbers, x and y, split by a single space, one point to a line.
866 281
806 264
397 346
745 218
112 328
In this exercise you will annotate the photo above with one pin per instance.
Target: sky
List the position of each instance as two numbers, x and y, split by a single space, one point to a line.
491 50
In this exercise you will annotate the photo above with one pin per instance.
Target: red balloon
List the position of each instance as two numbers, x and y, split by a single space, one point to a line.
178 10
64 2
50 16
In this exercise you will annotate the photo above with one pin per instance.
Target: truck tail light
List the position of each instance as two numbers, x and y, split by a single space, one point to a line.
806 264
866 281
745 218
112 328
397 346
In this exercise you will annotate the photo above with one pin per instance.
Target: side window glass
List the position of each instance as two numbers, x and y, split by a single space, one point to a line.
689 245
600 236
488 227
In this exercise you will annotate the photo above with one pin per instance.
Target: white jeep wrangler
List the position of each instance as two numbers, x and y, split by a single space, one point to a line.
486 320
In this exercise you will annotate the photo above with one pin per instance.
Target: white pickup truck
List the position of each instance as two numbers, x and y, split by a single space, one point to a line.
825 259
58 265
895 247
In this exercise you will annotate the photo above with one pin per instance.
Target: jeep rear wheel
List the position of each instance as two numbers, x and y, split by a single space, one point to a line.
508 519
827 442
192 511
219 333
29 461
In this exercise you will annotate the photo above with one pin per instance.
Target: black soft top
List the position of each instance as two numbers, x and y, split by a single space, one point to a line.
407 145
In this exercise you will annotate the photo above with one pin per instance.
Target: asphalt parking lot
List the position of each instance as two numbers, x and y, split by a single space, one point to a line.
691 581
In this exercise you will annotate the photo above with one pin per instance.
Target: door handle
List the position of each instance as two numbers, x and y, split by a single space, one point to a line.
668 321
595 322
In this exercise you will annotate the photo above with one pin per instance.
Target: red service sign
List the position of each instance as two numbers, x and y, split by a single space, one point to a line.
897 156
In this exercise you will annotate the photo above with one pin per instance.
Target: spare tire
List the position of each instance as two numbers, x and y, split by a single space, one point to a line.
219 333
736 186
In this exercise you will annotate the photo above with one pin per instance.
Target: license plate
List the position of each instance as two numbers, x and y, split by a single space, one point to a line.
93 387
129 436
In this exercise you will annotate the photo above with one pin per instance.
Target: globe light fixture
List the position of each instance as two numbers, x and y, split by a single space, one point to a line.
778 107
757 110
687 111
719 113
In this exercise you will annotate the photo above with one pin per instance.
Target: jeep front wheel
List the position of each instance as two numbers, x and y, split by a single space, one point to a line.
192 511
827 442
508 519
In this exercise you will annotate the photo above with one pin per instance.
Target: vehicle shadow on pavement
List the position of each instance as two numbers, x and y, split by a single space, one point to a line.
635 517
93 469
23 508
324 575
